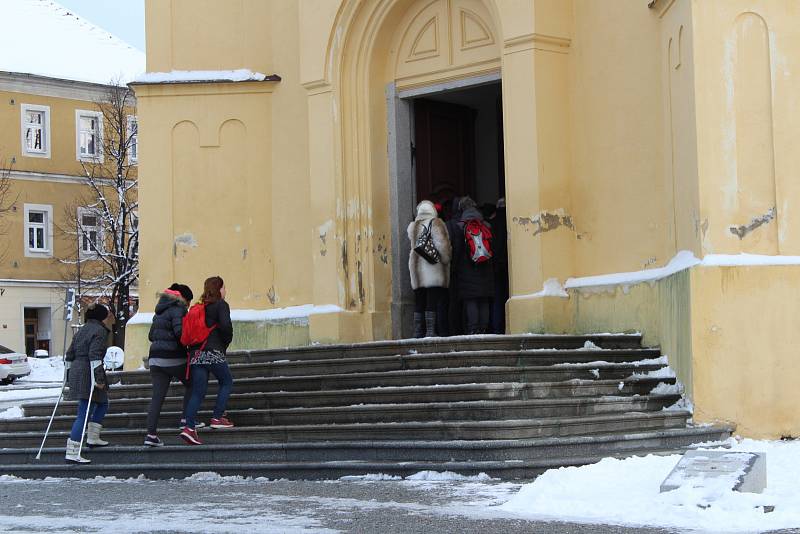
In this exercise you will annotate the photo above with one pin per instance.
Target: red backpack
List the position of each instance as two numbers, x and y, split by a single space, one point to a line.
479 240
194 330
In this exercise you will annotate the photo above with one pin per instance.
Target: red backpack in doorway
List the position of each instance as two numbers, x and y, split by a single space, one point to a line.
478 237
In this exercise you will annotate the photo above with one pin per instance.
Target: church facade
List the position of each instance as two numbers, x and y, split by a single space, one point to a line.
644 152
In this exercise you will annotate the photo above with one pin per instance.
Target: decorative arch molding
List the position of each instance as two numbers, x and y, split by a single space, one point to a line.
375 48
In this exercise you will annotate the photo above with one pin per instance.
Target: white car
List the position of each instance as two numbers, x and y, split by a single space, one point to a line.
13 365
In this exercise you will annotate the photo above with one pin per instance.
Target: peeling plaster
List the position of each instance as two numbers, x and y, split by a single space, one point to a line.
755 222
545 221
185 240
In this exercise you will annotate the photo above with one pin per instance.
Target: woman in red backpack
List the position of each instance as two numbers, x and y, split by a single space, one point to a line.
475 277
209 358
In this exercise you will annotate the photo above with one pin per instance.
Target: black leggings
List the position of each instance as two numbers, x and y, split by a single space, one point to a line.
477 311
161 377
428 298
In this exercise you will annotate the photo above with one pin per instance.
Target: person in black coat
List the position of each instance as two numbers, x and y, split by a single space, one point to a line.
475 281
210 359
86 379
167 356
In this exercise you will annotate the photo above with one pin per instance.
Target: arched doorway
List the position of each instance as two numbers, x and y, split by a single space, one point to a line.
384 56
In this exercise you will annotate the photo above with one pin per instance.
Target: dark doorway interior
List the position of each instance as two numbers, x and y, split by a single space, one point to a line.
457 150
458 145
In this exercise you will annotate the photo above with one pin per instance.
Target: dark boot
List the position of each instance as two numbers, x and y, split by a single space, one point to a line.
430 324
419 325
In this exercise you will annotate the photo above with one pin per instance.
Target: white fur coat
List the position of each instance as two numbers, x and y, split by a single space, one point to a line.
424 274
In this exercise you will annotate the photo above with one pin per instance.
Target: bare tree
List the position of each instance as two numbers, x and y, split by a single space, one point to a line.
6 205
103 222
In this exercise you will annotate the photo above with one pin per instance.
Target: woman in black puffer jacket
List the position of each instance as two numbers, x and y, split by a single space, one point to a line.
167 355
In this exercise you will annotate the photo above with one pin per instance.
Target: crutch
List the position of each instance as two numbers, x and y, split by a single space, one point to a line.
60 395
93 364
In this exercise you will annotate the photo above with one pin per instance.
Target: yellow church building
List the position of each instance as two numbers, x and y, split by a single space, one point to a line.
645 151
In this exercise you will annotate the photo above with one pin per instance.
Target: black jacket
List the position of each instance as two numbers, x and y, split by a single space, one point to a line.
473 280
165 332
219 313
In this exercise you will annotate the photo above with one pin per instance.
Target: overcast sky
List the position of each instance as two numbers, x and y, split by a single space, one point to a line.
123 18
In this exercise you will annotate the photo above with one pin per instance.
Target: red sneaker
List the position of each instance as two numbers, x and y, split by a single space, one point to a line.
221 422
189 435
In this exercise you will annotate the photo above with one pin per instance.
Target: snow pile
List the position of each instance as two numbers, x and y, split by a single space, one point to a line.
49 40
743 260
589 346
436 476
20 394
45 370
682 260
551 288
200 76
370 477
15 412
626 492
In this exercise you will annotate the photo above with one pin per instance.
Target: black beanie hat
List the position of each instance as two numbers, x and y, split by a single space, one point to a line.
96 311
184 290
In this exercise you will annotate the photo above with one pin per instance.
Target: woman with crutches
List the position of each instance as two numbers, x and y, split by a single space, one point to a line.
87 380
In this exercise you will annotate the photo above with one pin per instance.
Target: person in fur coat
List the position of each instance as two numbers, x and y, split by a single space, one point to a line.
428 280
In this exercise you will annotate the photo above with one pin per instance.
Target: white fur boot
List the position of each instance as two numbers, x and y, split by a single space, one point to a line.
93 435
72 455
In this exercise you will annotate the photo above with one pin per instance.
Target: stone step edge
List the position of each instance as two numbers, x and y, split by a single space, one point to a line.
365 467
407 444
389 390
499 423
486 338
475 404
598 364
399 373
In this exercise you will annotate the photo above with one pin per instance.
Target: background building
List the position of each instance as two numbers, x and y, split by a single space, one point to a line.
50 126
642 147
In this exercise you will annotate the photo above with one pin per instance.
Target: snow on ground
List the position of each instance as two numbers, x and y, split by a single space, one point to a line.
45 370
14 412
626 492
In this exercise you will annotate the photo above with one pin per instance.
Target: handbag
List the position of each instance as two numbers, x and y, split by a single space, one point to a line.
425 246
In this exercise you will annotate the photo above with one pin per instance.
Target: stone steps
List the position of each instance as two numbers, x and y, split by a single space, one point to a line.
440 345
423 377
386 413
510 406
426 430
395 451
381 395
620 360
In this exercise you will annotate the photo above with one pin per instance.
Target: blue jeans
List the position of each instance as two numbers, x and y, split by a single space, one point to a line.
199 383
96 415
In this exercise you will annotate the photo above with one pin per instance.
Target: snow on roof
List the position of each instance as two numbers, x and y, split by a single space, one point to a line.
44 38
201 76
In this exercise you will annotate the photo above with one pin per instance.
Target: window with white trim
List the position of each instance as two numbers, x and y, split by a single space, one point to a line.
89 133
90 231
133 139
35 130
38 230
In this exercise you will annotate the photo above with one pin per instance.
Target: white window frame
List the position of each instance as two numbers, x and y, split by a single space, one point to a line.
133 159
45 110
89 211
97 158
47 209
